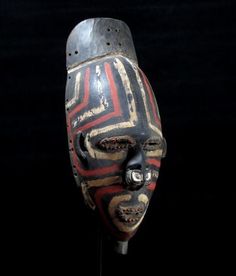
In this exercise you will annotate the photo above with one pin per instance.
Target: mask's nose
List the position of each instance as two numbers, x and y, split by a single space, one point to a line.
135 174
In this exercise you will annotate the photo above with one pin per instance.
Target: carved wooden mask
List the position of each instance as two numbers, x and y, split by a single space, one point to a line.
113 123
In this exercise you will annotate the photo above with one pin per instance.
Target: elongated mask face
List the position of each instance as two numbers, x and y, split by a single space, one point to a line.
114 129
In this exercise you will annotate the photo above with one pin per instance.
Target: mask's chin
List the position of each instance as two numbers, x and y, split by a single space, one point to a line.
127 213
121 210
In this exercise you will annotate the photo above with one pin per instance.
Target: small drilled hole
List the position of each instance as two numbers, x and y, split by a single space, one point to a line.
74 166
76 52
108 29
117 30
69 77
108 43
75 174
70 141
69 54
67 109
119 44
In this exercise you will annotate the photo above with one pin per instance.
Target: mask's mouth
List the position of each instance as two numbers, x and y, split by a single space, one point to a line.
130 215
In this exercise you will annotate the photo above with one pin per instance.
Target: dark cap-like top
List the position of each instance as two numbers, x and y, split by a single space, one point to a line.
98 37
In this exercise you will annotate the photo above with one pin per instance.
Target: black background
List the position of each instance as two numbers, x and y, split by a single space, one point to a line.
187 50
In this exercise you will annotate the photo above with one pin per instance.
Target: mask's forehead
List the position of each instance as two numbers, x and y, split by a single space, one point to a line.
111 96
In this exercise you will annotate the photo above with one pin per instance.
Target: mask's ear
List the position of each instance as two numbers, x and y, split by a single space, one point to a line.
87 198
80 148
164 148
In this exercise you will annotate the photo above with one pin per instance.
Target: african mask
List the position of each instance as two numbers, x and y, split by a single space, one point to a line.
113 123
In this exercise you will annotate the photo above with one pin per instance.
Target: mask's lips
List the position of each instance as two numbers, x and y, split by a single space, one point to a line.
130 215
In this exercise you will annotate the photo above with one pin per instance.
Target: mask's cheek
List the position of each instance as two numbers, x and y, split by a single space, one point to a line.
102 197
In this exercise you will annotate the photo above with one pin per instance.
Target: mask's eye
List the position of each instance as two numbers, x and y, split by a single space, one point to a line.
114 144
153 144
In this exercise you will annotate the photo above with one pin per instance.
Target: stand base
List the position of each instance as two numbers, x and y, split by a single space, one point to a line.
121 247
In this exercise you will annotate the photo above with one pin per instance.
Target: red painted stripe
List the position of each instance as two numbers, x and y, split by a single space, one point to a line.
154 162
150 93
107 190
115 100
85 100
98 121
152 186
